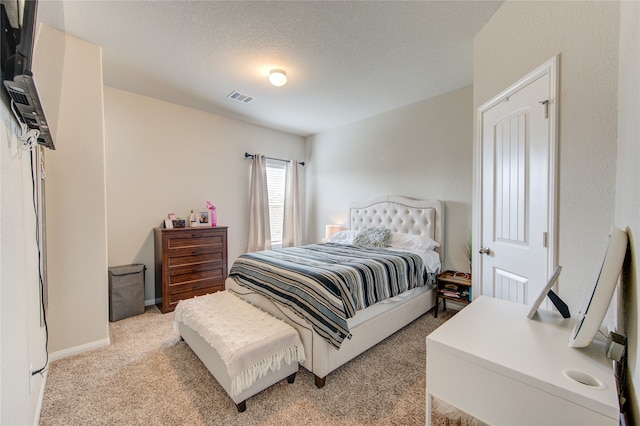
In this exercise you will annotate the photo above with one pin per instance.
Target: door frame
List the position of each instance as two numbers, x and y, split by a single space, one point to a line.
550 67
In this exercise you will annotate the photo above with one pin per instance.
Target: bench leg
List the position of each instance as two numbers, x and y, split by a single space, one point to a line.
291 378
242 407
320 381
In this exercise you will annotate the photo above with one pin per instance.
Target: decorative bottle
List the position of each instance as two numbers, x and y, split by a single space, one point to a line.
212 213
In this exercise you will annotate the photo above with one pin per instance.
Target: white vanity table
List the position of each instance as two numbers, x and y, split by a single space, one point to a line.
497 365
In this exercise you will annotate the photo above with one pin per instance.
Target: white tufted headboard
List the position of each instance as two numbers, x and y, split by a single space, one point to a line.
401 214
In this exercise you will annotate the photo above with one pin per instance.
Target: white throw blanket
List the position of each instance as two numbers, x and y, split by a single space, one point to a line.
250 341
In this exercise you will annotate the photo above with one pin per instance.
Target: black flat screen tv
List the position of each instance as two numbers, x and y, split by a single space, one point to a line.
19 86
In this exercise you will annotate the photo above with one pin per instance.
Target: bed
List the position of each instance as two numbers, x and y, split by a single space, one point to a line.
368 326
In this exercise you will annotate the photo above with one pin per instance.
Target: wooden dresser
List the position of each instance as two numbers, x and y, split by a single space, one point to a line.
189 262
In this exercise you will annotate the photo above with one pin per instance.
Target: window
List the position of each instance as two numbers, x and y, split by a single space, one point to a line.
276 173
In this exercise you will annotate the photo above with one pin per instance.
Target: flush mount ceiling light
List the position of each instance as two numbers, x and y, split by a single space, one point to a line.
277 77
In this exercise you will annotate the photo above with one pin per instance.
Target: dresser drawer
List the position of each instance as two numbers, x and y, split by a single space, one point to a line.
209 272
196 286
193 239
194 255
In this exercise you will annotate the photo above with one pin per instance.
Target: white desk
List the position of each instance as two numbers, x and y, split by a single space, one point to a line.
504 369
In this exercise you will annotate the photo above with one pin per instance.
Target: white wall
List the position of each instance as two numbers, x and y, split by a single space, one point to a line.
22 340
517 39
627 204
420 151
76 241
76 207
163 158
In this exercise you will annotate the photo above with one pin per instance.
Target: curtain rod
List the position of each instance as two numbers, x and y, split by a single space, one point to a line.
247 155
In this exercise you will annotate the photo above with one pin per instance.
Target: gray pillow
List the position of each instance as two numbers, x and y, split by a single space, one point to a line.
373 237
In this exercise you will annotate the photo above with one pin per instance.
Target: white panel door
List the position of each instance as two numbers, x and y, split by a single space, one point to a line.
516 162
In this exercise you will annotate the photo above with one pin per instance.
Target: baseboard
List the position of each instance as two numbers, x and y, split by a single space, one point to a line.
152 301
79 349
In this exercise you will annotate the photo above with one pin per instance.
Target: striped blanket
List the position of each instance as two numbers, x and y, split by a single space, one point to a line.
327 283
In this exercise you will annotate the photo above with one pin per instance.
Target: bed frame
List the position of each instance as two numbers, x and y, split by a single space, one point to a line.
375 323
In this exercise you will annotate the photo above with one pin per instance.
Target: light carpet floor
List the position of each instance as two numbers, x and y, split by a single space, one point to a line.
148 376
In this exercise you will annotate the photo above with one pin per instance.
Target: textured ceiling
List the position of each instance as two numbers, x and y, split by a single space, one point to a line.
345 60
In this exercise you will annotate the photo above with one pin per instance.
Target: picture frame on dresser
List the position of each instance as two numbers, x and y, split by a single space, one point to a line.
203 218
547 292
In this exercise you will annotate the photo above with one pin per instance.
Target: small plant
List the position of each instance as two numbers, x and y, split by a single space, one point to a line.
468 249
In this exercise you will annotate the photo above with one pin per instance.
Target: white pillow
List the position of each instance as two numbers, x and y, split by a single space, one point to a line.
343 237
412 242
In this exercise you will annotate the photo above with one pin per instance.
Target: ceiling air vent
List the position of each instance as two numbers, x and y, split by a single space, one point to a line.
240 97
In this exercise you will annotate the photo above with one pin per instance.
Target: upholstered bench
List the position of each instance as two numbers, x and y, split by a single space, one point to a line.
244 348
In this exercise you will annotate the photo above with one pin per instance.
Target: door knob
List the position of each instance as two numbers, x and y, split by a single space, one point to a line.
484 250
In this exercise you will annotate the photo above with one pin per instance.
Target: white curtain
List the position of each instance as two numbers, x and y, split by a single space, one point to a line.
292 224
259 223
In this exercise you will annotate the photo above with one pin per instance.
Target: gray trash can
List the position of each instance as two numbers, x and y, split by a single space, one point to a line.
126 291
